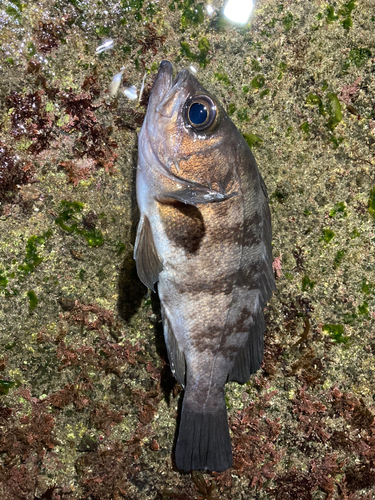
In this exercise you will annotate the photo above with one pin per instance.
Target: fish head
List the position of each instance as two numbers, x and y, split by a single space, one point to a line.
186 131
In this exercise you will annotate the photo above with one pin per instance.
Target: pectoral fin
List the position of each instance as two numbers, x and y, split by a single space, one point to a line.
194 196
148 261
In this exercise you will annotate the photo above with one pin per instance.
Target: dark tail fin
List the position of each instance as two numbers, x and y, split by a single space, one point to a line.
203 439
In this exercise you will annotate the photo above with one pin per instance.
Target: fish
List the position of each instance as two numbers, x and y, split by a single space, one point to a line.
204 237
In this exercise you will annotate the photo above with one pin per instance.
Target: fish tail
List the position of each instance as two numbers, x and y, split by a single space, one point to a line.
203 439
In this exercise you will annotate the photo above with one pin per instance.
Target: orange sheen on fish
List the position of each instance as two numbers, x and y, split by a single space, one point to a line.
205 237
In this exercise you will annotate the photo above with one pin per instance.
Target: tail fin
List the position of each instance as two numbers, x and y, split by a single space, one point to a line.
203 439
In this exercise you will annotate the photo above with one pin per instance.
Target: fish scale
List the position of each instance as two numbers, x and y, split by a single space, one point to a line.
205 237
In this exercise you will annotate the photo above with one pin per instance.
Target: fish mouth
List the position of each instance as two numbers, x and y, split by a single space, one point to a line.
169 101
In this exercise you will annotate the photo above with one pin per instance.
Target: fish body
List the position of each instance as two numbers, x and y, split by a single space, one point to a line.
205 236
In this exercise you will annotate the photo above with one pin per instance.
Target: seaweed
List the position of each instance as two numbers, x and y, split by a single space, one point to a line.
30 120
26 438
48 36
91 139
68 221
152 41
255 455
13 173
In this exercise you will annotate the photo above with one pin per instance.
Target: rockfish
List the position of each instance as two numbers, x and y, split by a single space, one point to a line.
205 236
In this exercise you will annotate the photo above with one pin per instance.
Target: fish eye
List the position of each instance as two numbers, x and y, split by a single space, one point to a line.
201 113
198 114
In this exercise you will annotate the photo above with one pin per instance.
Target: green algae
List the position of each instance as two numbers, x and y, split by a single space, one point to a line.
257 82
253 140
305 127
330 14
358 57
332 107
283 67
32 258
15 9
315 100
201 57
3 279
307 283
6 386
355 234
363 309
288 21
242 115
367 288
334 110
327 235
68 221
231 109
339 209
222 77
325 165
371 203
338 258
33 299
346 12
191 12
336 332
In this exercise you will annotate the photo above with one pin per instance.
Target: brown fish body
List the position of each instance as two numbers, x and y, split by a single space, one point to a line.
205 236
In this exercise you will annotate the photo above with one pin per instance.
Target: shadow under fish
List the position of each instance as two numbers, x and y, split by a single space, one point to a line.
205 236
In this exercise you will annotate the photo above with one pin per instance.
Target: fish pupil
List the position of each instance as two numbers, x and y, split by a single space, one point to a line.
198 113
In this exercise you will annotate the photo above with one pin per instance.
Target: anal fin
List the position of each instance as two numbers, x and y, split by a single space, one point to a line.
148 261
